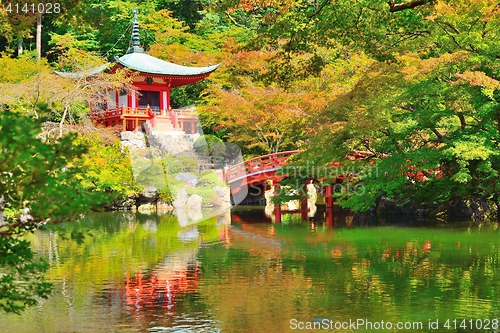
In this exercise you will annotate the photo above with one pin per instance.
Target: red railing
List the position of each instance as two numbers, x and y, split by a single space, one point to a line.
258 164
147 112
185 113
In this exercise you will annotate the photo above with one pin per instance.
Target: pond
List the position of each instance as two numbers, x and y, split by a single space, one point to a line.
128 272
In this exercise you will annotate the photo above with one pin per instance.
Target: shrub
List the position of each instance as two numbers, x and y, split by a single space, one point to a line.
209 144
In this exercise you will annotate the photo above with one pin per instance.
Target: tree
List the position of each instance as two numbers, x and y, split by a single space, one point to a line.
429 102
31 87
38 185
259 119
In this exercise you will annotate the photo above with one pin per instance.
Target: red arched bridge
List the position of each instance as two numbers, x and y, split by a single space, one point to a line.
257 170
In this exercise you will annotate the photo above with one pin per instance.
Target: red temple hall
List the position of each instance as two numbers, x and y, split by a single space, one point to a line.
148 104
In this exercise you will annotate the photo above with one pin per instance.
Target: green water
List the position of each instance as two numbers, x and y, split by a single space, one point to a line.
126 272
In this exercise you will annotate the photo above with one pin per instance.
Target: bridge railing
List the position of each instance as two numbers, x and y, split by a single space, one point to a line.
258 164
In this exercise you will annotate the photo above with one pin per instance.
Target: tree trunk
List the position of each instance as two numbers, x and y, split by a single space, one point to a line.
62 120
20 49
39 36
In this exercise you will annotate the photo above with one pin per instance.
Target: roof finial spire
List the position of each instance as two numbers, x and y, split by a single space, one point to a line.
136 43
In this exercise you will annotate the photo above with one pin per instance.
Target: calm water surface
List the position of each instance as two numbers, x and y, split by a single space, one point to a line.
127 272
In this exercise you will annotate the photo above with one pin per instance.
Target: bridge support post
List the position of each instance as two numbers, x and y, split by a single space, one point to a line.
277 213
277 207
329 217
304 211
304 214
328 196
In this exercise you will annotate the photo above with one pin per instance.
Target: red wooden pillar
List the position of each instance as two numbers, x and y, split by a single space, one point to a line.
303 210
277 207
163 101
136 124
176 120
277 213
328 196
329 217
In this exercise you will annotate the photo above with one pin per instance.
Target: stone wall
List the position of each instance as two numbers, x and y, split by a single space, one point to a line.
475 208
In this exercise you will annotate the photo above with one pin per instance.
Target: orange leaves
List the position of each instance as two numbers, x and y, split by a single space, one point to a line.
267 118
477 78
414 67
250 5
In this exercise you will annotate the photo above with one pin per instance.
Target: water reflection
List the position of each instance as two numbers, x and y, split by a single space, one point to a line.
125 272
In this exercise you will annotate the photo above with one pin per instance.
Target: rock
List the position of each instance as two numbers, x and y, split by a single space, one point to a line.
162 208
180 199
477 209
145 209
137 143
194 202
126 135
123 204
223 197
148 195
193 207
188 178
182 216
125 144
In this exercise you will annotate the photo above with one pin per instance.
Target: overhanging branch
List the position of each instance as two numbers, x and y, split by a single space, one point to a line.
396 7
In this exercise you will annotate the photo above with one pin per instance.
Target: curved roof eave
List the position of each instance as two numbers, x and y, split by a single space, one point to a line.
145 63
83 74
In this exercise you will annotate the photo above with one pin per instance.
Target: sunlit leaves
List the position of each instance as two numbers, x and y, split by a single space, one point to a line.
38 182
106 168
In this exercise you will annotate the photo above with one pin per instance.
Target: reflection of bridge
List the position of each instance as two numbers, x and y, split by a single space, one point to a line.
257 171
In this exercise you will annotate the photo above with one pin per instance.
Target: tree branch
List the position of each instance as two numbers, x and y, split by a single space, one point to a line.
231 18
318 10
394 7
439 135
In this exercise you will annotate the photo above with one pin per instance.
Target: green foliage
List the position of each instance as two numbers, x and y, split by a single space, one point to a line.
153 174
176 164
426 107
18 70
165 195
39 183
209 145
39 179
21 279
107 168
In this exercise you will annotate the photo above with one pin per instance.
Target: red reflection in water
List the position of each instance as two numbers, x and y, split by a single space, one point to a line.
427 246
225 235
160 288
